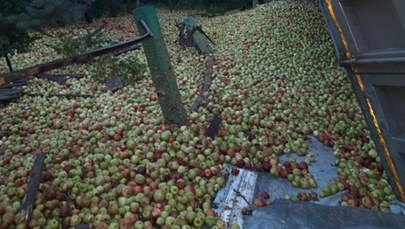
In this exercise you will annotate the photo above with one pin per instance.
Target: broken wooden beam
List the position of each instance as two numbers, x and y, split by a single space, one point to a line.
7 94
200 100
60 95
60 78
14 84
77 59
30 197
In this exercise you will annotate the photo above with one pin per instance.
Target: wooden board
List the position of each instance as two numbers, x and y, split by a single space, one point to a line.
32 189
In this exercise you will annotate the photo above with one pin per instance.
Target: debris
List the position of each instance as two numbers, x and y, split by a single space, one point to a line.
60 78
211 129
114 83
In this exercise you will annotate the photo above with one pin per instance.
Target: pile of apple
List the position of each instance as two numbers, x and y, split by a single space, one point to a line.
111 162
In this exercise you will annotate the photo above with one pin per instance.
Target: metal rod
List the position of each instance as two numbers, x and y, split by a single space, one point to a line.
137 46
353 61
10 67
99 29
80 58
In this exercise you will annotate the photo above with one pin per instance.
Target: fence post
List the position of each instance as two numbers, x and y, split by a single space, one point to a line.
161 70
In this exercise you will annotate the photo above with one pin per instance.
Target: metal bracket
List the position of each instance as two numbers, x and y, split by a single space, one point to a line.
148 30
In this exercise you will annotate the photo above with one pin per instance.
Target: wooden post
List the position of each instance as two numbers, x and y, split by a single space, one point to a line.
159 64
254 3
171 5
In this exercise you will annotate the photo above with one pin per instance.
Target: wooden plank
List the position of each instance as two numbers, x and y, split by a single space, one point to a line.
200 100
239 191
14 84
77 59
82 226
77 95
10 93
9 97
161 70
60 78
32 189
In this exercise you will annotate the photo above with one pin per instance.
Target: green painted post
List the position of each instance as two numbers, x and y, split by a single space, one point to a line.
159 64
202 43
199 38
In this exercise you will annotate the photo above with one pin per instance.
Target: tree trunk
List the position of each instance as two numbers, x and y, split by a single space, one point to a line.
254 3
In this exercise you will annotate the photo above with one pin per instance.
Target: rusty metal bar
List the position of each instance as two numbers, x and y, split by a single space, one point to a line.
77 59
132 48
